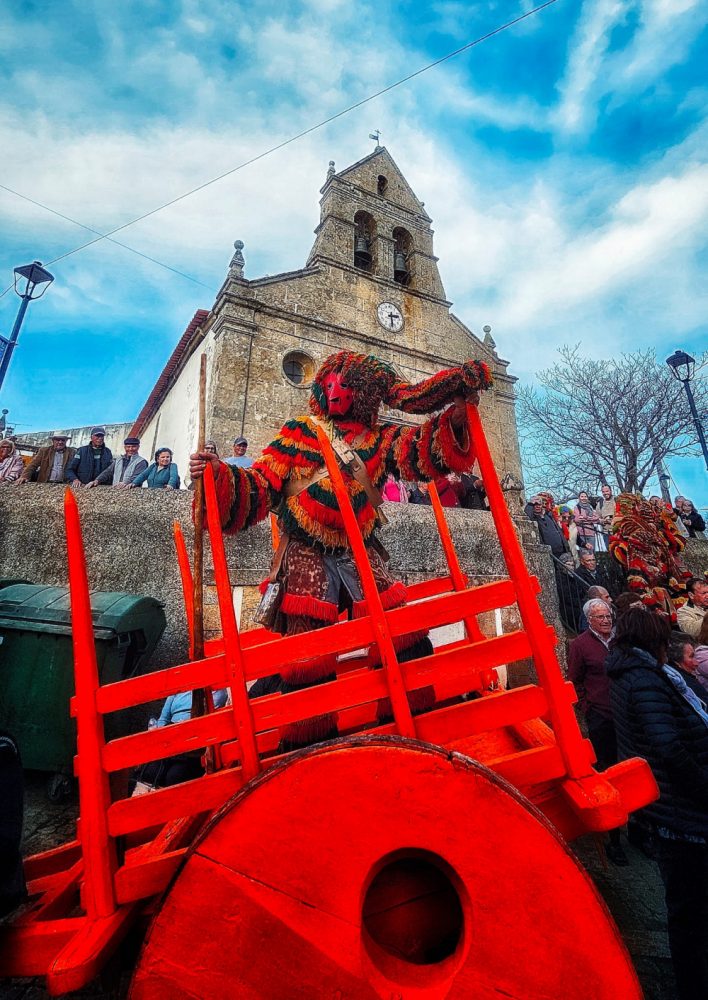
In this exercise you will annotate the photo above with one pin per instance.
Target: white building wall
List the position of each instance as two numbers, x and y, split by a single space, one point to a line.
175 424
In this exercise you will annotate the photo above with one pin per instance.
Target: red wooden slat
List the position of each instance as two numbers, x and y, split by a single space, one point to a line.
210 672
200 795
48 862
470 718
58 898
451 607
206 730
529 767
339 638
428 588
146 878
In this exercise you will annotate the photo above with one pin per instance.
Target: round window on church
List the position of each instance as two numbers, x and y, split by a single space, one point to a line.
298 368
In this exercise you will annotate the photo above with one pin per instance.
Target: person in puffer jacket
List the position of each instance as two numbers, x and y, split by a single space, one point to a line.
659 718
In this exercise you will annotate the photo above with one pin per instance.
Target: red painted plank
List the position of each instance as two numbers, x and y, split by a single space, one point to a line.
155 744
428 588
146 878
201 795
529 767
445 725
56 860
209 672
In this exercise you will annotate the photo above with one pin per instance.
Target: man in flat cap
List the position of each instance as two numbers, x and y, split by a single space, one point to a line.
239 457
50 463
122 471
90 460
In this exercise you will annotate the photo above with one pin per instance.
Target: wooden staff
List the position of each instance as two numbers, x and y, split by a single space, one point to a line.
199 699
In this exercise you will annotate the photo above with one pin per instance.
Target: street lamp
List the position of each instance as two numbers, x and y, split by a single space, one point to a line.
683 368
32 277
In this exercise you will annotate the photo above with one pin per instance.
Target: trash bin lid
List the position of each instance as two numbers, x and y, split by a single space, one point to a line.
36 607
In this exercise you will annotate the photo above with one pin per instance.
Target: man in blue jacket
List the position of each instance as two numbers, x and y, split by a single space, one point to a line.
89 461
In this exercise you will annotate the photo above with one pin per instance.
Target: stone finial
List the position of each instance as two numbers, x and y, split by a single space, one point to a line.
488 338
237 261
330 169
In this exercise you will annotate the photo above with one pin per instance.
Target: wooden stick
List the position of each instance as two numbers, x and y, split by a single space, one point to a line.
199 701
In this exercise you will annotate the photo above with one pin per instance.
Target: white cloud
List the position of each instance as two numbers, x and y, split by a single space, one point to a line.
587 53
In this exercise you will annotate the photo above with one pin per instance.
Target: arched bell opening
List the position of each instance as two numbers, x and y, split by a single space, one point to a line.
402 256
364 241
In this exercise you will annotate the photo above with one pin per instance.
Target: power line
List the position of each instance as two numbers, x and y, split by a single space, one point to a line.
90 229
304 132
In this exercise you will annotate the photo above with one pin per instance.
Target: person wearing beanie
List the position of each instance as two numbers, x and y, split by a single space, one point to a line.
90 460
314 565
122 471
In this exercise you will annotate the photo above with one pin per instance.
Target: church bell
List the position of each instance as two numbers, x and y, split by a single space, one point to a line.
362 255
400 268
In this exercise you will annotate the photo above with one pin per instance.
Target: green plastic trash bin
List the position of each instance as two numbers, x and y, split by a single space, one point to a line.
37 664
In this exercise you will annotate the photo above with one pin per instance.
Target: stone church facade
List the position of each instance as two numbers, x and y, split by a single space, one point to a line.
370 284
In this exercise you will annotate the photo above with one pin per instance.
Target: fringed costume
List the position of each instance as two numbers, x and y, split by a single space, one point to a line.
319 576
646 542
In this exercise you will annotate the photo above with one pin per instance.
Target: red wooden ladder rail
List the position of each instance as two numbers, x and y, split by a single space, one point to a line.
399 701
243 716
459 580
185 572
94 792
574 748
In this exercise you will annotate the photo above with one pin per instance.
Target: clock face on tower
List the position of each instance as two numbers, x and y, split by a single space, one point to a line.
390 317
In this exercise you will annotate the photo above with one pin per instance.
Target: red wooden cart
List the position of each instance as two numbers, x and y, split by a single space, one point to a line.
424 858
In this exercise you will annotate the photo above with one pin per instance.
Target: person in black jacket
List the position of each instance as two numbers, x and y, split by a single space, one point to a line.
691 518
659 718
550 532
90 460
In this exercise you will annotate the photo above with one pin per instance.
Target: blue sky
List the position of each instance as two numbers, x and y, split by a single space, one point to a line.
564 163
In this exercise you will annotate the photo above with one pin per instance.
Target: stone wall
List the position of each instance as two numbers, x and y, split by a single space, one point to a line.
695 556
129 546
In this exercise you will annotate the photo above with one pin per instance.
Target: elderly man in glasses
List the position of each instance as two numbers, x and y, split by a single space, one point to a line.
586 669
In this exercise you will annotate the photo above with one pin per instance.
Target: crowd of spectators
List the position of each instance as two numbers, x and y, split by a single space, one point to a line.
94 464
643 691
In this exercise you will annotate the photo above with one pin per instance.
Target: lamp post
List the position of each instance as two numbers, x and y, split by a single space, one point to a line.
34 277
683 368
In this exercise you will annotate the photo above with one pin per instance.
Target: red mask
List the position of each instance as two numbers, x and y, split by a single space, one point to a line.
339 396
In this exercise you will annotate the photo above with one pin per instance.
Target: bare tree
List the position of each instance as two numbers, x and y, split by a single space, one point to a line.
592 422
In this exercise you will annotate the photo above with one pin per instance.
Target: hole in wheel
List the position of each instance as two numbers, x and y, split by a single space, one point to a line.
412 909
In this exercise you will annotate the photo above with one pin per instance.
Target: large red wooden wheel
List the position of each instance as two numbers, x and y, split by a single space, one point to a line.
381 867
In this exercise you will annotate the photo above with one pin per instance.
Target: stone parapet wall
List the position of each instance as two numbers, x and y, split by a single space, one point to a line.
129 546
695 556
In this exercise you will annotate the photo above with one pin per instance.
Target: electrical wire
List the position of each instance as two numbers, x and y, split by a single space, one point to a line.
304 132
90 229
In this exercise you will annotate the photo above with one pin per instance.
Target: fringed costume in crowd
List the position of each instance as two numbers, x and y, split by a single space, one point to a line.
319 576
646 542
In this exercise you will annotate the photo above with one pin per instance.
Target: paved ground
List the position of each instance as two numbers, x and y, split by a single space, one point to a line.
633 894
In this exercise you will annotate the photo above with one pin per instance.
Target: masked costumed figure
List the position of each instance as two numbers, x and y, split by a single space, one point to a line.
314 565
646 542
